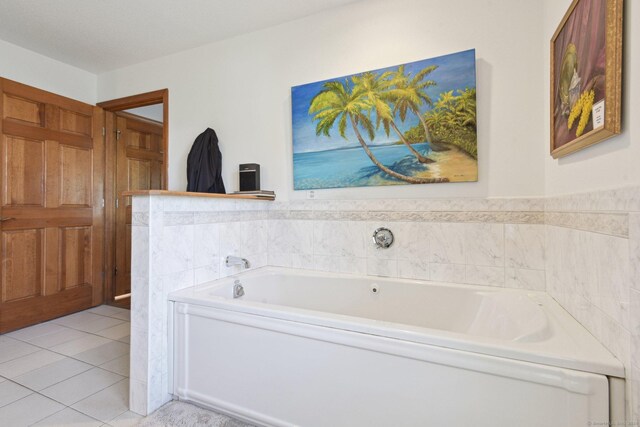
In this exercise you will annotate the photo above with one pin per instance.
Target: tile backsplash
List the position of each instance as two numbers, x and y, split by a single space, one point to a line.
583 249
592 269
497 242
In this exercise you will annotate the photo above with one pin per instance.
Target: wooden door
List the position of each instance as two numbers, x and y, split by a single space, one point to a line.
139 166
51 212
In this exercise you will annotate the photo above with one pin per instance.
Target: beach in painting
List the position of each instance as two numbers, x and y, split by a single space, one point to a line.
408 124
350 167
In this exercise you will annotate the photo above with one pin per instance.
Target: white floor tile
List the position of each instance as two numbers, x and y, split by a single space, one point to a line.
10 392
88 322
69 417
28 410
81 386
123 315
73 347
119 366
110 311
24 364
26 334
12 349
104 353
128 419
116 332
54 373
106 404
62 335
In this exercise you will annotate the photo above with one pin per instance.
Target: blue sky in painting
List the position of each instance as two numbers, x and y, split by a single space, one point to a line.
455 71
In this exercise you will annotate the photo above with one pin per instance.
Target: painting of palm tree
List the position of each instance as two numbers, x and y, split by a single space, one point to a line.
413 123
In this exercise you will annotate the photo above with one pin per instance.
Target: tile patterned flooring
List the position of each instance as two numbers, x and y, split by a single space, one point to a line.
73 370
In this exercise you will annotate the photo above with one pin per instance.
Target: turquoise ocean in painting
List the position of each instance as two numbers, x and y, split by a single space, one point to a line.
321 161
350 167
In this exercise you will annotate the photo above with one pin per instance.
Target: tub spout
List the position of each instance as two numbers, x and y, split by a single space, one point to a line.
234 260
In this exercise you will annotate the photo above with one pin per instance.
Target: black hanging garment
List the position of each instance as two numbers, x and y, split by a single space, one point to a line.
204 164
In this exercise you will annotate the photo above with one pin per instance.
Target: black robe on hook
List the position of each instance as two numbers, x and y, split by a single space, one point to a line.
204 164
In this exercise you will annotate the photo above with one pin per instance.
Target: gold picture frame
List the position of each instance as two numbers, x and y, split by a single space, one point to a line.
586 76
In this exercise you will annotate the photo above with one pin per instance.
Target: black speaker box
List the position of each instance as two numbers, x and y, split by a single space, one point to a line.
250 177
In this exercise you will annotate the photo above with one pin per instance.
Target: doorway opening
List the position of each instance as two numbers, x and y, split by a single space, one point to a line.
136 153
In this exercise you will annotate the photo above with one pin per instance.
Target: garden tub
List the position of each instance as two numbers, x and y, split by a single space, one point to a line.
303 348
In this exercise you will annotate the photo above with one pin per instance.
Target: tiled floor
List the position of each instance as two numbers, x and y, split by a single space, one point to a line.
70 371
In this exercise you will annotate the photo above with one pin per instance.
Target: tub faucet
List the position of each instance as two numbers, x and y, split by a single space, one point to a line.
238 290
234 260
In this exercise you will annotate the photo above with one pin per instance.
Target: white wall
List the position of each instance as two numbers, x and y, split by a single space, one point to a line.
614 162
241 87
37 70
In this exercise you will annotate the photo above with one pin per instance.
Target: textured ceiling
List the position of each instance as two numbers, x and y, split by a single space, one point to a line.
101 35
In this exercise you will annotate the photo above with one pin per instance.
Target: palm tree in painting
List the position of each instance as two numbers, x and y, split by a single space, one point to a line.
377 91
453 119
410 94
346 104
466 107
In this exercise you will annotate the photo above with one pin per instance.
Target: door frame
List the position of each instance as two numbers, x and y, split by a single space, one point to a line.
111 107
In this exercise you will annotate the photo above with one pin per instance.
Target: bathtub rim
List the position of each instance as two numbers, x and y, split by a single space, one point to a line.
584 354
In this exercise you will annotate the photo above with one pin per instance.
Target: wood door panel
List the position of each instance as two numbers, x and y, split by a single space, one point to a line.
73 122
52 156
21 264
75 168
27 311
139 174
23 110
134 153
76 256
32 132
44 218
138 141
30 93
23 162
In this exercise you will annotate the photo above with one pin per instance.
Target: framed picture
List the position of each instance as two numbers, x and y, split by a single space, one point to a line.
413 123
586 75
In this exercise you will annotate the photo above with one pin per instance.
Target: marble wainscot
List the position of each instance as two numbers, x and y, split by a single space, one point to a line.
180 240
583 249
593 270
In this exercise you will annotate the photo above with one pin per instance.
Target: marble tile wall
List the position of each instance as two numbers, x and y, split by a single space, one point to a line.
497 242
584 249
593 271
178 242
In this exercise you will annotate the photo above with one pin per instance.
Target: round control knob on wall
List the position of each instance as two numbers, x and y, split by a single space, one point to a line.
383 238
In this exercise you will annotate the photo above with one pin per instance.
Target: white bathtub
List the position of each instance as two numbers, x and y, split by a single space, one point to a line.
313 349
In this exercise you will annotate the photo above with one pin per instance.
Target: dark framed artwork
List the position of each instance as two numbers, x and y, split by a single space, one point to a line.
586 75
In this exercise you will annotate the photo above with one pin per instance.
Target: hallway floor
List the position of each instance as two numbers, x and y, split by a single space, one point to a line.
73 370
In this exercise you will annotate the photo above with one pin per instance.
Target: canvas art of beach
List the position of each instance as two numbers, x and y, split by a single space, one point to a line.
407 124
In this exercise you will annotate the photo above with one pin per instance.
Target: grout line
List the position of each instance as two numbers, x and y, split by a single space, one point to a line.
73 376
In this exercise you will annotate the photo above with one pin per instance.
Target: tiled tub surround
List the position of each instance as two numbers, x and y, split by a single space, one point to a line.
485 242
182 241
593 271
